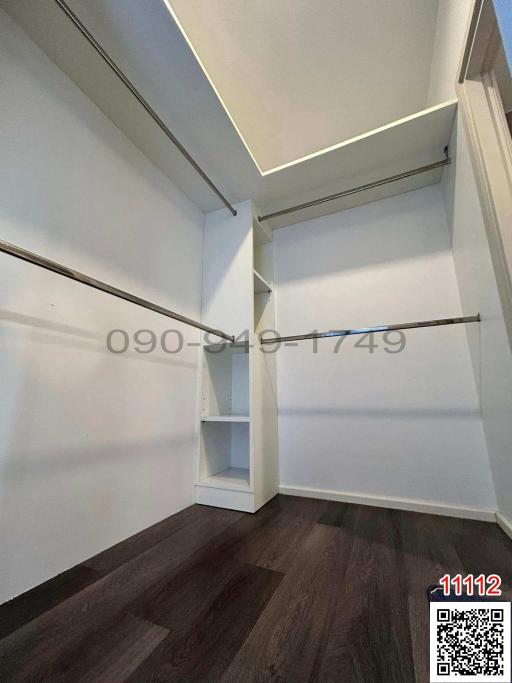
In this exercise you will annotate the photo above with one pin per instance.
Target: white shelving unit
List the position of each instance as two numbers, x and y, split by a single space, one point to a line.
237 460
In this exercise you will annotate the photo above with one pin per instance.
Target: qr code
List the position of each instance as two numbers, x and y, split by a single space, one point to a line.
470 641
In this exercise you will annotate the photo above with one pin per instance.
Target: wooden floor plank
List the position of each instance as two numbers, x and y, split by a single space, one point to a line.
303 590
70 622
484 549
270 537
428 554
42 598
126 550
178 602
334 513
283 644
175 601
108 655
368 637
283 539
207 649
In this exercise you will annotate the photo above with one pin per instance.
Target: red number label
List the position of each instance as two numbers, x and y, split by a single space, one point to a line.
483 585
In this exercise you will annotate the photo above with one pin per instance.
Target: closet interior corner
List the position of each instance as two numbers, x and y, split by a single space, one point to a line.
255 339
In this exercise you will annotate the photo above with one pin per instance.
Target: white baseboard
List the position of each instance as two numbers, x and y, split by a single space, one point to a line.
410 504
504 523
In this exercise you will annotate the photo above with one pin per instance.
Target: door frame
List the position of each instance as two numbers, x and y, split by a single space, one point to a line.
490 143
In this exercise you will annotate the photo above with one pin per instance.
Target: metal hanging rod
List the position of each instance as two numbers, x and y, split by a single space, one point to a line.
119 73
25 255
355 190
377 328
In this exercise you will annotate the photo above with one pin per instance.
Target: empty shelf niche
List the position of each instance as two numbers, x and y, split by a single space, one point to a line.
263 276
224 457
225 386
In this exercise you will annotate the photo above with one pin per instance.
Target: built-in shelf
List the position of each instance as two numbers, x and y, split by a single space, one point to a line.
236 464
225 418
260 284
236 478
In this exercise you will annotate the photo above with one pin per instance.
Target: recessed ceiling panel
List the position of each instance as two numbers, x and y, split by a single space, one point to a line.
297 76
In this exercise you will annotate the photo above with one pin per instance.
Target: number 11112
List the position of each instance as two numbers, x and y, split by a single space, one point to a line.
482 585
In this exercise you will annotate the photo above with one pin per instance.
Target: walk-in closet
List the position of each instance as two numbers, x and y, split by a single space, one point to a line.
255 340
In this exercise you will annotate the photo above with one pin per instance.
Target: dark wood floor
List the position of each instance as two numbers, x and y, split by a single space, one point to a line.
305 590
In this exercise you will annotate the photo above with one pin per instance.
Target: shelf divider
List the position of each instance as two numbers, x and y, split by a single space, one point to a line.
260 284
225 418
236 478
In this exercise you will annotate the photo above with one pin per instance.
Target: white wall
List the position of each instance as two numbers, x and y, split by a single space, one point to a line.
404 426
93 446
451 24
492 360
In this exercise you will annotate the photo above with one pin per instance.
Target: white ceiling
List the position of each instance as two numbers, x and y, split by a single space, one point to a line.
297 76
145 41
